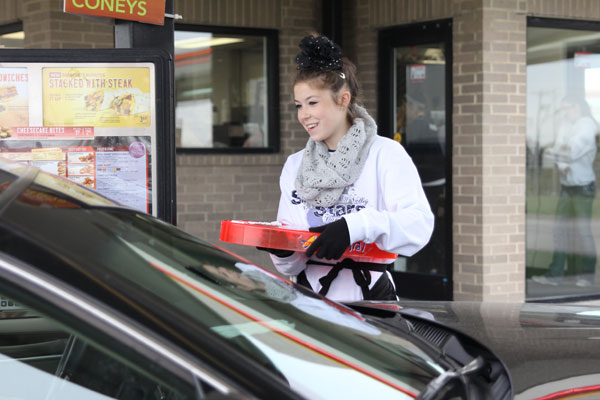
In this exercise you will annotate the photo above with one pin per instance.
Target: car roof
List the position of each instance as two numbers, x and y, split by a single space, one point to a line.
16 177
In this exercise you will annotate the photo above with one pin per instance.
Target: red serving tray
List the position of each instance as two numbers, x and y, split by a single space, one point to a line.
276 235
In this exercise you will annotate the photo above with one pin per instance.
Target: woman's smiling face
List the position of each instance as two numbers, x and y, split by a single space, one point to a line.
323 118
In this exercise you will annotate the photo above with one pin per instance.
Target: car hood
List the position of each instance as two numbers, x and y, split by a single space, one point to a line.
549 349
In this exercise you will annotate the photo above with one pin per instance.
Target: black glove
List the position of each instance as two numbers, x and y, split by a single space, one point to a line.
277 252
332 242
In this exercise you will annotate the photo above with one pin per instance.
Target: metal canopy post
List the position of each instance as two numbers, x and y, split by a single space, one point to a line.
332 20
130 34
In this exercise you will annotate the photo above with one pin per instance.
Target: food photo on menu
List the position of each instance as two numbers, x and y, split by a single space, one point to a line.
94 100
5 132
80 166
14 100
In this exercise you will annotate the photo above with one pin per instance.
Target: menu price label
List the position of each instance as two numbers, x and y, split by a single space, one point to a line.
122 173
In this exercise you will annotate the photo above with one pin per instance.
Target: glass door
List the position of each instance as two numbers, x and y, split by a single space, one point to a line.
415 110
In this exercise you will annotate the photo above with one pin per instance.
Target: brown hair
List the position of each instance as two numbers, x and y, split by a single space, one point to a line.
334 80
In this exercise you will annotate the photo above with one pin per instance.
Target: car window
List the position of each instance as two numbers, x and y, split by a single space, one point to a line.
41 359
26 382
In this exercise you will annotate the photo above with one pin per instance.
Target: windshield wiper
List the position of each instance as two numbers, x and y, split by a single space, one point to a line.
435 386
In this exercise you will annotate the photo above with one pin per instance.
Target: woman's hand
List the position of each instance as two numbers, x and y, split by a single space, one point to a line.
332 242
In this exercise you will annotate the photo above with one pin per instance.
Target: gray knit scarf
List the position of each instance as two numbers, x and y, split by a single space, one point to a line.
323 176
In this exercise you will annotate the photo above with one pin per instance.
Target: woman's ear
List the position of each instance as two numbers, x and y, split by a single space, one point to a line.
345 98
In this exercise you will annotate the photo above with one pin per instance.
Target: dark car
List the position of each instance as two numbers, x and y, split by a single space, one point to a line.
102 301
551 350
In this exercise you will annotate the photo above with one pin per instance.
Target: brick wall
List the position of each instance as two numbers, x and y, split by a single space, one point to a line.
467 136
571 9
504 150
252 13
10 11
47 26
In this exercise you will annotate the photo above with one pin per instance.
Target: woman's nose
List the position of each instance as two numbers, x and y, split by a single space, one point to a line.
302 114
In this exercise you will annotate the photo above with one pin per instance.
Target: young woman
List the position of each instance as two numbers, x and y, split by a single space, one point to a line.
348 183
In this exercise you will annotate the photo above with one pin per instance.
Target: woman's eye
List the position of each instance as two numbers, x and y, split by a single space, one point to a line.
297 105
312 103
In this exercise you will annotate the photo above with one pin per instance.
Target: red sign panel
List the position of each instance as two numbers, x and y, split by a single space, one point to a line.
149 11
53 132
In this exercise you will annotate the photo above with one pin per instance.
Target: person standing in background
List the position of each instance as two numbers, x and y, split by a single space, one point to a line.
574 152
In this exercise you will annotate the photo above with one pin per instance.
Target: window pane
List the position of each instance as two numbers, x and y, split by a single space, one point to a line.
12 40
41 359
563 211
220 84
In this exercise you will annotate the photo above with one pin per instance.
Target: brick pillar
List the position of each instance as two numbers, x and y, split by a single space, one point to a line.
467 152
489 150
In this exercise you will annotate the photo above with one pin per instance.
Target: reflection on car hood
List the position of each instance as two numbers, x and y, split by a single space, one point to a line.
550 349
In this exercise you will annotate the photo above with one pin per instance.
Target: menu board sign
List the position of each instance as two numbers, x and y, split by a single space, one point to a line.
94 124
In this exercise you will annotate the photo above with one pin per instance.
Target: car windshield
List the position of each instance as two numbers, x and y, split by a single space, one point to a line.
301 335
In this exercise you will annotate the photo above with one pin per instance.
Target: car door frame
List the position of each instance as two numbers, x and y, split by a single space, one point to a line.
109 327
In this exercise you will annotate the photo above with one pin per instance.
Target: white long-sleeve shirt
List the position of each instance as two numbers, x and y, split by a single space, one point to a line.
386 205
574 152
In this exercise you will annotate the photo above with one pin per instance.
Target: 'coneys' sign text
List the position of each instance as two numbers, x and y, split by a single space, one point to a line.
149 11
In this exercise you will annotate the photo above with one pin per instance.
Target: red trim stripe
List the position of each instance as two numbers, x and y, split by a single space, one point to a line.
287 335
191 61
563 394
193 54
